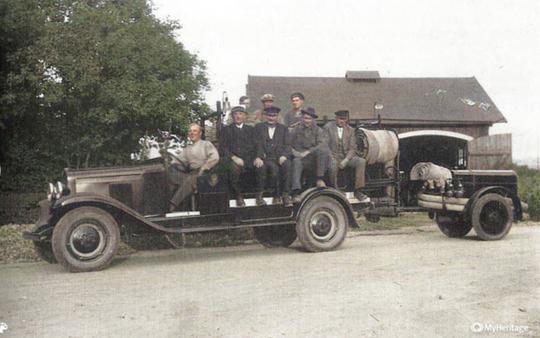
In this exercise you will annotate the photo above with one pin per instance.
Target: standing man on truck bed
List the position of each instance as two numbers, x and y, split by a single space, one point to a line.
294 116
342 144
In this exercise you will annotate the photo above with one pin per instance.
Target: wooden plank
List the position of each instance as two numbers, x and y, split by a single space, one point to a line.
491 152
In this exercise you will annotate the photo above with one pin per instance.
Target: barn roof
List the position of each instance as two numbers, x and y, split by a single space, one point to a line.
397 100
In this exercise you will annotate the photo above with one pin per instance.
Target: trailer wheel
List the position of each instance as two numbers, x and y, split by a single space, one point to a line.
492 217
452 225
45 252
322 224
275 236
85 239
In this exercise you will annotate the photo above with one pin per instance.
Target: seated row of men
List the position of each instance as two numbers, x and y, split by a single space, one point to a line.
278 155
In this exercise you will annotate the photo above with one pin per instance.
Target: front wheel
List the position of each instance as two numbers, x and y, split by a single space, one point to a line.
492 217
85 239
275 236
322 224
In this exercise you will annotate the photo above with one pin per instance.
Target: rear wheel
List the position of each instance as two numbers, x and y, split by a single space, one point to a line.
492 217
452 225
275 236
85 239
322 224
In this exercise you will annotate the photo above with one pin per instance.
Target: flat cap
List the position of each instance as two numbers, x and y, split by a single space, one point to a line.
267 97
342 113
298 95
238 109
272 110
310 111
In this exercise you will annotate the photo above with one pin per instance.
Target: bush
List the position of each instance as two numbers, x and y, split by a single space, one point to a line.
529 189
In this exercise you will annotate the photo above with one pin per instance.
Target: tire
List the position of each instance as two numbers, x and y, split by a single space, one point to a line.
452 225
45 252
322 224
276 236
85 239
492 217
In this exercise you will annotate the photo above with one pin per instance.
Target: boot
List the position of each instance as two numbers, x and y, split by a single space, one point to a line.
240 200
259 200
277 200
287 201
320 183
360 196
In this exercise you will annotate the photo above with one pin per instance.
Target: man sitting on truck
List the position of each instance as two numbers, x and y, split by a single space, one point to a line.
193 161
342 144
310 150
273 152
237 146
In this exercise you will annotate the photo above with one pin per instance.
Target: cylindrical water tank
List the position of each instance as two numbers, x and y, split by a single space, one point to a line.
377 146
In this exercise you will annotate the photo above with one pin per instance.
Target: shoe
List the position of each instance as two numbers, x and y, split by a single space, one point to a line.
287 201
360 196
277 200
296 199
259 200
321 184
240 201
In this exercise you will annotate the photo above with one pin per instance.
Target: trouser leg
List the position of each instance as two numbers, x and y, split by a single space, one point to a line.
284 177
333 171
261 177
234 177
322 161
185 187
297 167
359 165
273 174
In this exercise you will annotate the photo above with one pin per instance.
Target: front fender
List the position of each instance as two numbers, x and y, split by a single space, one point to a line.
63 205
331 192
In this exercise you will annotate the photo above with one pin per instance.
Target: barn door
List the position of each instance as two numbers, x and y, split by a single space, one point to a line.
490 152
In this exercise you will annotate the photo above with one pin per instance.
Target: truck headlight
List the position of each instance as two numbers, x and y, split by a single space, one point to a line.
59 190
52 192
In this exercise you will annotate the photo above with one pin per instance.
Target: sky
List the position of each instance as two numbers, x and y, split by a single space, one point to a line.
498 42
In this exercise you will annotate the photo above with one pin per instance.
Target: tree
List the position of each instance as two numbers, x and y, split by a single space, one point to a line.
97 76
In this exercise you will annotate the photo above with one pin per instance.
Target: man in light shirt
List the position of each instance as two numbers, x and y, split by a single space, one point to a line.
342 143
196 158
272 161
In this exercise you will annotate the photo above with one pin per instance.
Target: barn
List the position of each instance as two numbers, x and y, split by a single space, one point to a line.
442 120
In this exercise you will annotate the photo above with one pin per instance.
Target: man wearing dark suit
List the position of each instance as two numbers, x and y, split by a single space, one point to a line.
237 145
342 144
273 152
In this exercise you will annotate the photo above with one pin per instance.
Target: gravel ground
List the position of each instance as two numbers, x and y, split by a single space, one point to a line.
407 282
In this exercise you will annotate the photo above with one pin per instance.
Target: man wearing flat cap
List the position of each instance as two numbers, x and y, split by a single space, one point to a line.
342 143
267 101
273 152
310 150
237 147
294 116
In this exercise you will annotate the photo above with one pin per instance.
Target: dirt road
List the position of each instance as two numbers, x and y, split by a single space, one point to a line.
417 283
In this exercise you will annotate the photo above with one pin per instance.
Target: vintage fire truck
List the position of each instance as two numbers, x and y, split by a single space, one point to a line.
83 219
